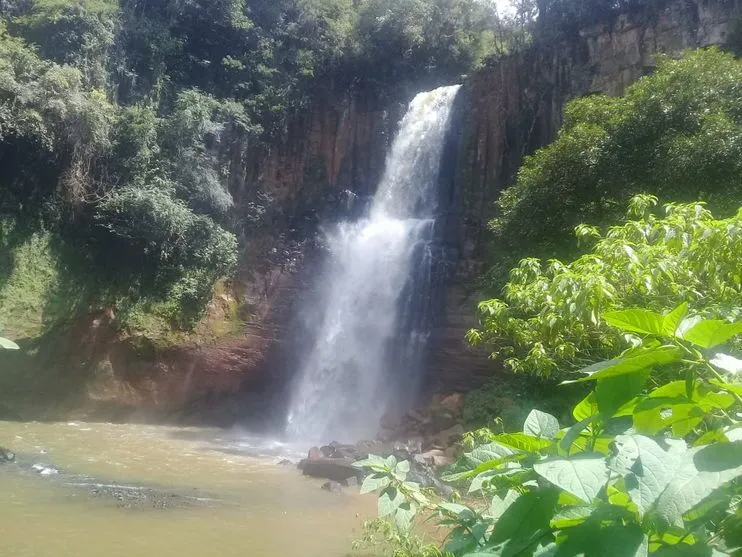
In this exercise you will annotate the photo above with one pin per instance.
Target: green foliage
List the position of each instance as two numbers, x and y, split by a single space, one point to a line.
125 126
76 33
155 244
380 533
39 284
551 315
653 465
510 397
675 134
6 344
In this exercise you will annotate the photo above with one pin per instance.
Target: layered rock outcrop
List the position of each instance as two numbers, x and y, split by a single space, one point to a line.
514 106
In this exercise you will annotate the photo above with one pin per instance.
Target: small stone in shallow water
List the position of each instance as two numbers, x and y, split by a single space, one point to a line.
6 455
333 487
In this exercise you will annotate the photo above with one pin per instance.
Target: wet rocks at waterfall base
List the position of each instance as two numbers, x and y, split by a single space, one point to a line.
429 438
340 470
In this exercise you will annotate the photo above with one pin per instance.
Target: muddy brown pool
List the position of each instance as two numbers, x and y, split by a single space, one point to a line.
224 495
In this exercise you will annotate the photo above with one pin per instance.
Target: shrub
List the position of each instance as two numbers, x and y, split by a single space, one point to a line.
676 134
158 247
653 465
549 318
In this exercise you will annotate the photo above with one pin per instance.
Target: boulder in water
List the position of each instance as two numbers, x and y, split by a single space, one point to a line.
6 455
336 469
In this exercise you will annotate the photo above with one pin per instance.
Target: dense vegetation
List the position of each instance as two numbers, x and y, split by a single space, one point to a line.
652 465
124 128
549 318
674 134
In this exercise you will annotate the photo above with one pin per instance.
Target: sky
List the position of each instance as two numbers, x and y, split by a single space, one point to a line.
503 6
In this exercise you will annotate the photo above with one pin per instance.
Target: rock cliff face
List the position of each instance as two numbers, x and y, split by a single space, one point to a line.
513 107
335 153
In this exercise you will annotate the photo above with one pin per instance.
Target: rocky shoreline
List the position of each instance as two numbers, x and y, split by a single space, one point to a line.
429 439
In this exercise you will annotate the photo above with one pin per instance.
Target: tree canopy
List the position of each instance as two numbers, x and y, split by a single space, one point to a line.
676 134
121 121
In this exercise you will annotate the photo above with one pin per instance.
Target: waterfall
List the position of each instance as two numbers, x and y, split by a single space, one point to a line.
373 312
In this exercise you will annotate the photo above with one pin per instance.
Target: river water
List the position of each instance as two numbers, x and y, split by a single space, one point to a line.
224 494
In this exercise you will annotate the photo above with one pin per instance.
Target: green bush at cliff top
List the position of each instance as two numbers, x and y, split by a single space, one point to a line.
550 316
676 134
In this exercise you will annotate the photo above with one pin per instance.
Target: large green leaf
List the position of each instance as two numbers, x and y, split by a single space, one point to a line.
612 393
672 320
8 344
500 504
711 333
485 453
404 515
523 442
583 476
653 415
482 480
373 482
638 360
571 435
570 516
701 471
401 470
594 540
493 464
389 501
642 321
541 424
685 550
586 408
525 521
735 388
649 468
456 509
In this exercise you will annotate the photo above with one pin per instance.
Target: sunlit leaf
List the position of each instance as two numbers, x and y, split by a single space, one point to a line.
523 522
404 516
637 320
389 501
640 360
649 466
8 344
541 424
612 393
523 442
571 516
672 320
374 482
583 476
587 408
500 504
711 333
700 472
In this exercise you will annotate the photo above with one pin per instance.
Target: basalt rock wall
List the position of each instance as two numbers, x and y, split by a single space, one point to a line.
511 108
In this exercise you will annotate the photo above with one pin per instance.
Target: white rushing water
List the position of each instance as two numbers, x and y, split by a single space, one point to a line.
357 368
